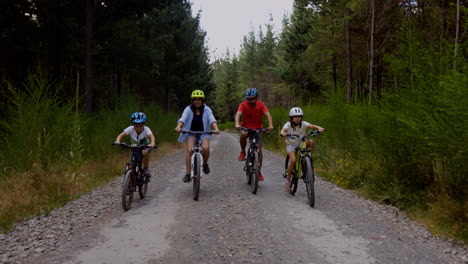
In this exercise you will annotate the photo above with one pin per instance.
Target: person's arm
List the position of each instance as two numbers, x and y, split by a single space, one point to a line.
284 131
237 119
270 121
152 141
179 127
215 126
120 136
320 129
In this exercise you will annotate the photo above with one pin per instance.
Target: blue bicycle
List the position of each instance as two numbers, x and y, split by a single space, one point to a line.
134 175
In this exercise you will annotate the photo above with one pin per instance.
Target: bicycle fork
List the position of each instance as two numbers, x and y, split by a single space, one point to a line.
192 162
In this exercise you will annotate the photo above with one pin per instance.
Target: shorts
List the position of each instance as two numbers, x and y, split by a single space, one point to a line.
149 149
290 148
203 136
259 139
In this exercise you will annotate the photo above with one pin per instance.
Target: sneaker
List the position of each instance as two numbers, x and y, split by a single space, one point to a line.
187 178
260 176
242 156
206 169
147 174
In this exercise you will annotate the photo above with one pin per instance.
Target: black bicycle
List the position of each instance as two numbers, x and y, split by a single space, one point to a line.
134 175
252 166
304 168
196 162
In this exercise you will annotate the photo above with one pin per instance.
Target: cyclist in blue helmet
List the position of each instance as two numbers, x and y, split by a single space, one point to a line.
252 112
140 135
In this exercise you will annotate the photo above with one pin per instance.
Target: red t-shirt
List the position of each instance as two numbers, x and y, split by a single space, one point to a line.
252 117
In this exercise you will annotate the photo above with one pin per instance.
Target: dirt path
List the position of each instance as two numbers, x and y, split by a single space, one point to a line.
228 224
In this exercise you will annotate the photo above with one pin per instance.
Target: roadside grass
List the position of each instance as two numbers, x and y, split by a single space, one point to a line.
364 150
37 192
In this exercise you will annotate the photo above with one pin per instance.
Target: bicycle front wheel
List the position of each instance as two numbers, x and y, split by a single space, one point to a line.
142 186
254 173
309 179
127 189
196 177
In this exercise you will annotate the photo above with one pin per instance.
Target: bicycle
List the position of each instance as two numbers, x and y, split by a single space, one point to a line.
196 162
252 167
304 168
134 175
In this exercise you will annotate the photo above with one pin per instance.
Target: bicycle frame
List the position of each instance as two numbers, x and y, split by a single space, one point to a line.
300 154
197 150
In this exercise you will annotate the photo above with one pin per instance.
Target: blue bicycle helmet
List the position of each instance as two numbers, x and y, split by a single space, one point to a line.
138 118
251 93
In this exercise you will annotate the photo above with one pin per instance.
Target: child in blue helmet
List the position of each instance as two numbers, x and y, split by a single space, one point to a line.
141 135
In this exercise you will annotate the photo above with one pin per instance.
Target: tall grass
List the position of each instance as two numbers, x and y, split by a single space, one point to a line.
50 153
408 150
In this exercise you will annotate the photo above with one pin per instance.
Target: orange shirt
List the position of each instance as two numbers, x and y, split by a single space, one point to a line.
252 117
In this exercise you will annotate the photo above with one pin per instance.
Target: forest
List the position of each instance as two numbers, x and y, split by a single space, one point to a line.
387 79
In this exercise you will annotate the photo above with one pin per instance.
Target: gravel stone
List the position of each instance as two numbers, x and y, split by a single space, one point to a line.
229 224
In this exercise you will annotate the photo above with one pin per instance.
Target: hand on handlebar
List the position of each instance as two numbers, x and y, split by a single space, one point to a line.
178 129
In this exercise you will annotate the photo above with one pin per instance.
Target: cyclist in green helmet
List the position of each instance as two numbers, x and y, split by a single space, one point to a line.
196 117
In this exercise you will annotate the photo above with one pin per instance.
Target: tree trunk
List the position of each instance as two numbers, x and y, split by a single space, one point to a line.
334 76
457 35
88 71
443 23
349 66
372 51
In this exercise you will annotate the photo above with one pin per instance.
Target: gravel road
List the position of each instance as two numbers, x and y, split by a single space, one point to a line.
228 224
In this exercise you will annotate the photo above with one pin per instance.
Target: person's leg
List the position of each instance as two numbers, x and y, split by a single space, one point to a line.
206 150
206 154
190 143
145 153
145 160
243 143
292 163
310 145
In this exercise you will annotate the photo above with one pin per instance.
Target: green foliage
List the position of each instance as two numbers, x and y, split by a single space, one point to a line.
38 126
42 131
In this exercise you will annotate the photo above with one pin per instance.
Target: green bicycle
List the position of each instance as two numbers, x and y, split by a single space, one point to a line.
304 168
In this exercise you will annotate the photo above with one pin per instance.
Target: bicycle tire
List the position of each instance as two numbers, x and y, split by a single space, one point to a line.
196 177
248 168
142 186
286 164
254 173
309 179
294 179
127 189
294 183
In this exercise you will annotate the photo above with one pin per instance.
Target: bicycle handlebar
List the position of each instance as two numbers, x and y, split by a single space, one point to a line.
260 130
311 133
125 145
197 132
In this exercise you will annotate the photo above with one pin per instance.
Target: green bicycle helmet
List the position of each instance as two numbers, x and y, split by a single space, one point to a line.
198 94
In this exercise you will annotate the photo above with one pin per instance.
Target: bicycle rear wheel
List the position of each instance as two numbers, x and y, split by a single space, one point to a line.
309 179
254 173
142 186
294 183
127 189
196 177
247 168
294 180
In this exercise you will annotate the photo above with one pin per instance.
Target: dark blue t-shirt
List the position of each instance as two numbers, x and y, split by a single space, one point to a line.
197 123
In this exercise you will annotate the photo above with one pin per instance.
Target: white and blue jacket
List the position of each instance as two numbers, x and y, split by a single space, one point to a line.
187 117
